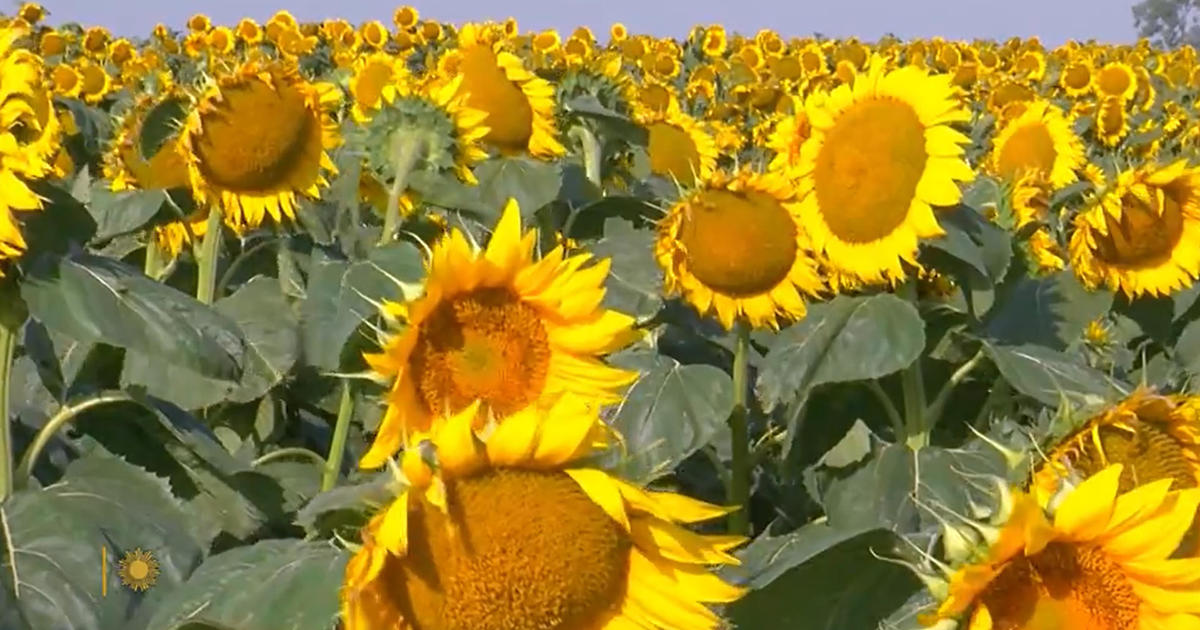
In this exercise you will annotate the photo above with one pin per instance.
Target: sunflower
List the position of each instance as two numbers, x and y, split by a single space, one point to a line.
519 105
1039 140
881 154
29 138
514 531
378 78
1143 237
499 327
257 139
679 147
1155 437
1100 561
127 168
1112 121
737 247
1076 77
433 112
1116 80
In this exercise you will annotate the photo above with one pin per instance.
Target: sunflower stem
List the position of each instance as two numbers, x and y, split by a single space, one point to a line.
337 448
56 423
406 150
935 409
739 479
913 382
209 254
8 347
590 152
153 266
288 452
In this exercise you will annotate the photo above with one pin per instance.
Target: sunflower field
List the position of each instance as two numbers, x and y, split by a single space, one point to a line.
428 326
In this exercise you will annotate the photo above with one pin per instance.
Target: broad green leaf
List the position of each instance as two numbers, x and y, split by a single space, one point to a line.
1187 349
845 339
1053 377
592 220
97 299
1052 311
357 498
160 124
634 283
63 225
272 345
851 449
823 580
55 537
532 183
974 240
340 296
669 413
118 213
270 585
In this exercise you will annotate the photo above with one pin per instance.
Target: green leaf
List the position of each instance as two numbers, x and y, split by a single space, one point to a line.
118 213
669 413
55 537
1051 311
160 124
1052 377
634 283
355 498
272 345
1187 349
97 299
270 585
851 449
340 294
532 183
820 579
845 339
979 243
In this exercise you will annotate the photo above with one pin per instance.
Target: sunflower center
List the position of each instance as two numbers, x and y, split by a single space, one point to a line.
867 171
1148 452
255 138
1077 76
484 345
738 243
1030 148
520 550
138 570
1114 81
509 115
1064 587
673 153
1142 237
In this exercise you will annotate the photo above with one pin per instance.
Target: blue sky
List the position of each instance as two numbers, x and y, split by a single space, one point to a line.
1053 20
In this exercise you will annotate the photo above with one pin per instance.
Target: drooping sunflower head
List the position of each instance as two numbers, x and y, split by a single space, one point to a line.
258 139
511 531
156 160
432 113
499 327
1112 121
736 247
881 155
519 105
1041 141
29 135
679 147
1155 437
1141 238
1100 559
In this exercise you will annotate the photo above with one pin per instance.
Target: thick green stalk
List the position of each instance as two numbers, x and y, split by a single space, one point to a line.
209 254
913 382
406 150
333 463
739 480
8 347
56 423
590 151
154 264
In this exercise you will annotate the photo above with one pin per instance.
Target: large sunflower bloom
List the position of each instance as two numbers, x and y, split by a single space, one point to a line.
1101 561
519 104
499 327
1154 437
679 147
258 139
881 154
1039 140
1143 237
514 532
29 136
737 247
